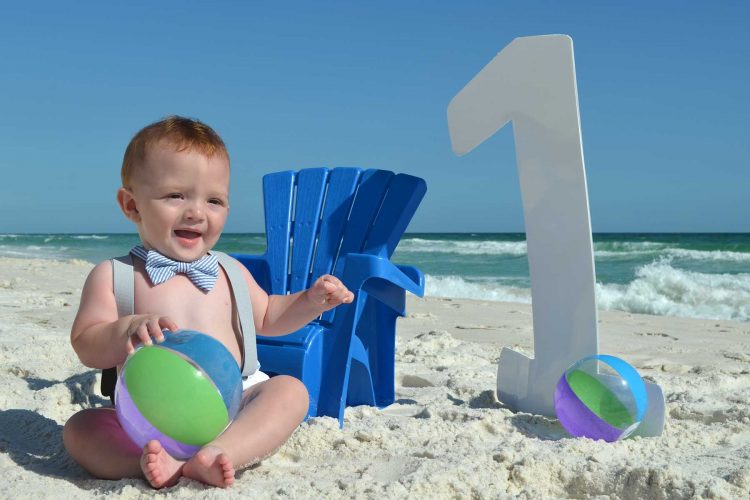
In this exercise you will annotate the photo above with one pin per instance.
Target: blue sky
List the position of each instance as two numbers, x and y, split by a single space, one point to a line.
662 90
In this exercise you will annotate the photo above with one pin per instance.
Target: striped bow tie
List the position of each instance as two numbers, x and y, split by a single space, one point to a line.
202 272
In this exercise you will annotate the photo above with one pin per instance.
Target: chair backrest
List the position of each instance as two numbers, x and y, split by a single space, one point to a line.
315 216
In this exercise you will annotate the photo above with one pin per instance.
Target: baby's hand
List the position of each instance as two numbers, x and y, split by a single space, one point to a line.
327 292
144 326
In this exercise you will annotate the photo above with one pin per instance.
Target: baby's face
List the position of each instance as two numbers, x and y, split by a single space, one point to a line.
182 199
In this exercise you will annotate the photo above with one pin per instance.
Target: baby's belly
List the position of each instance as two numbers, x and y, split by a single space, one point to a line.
221 331
211 314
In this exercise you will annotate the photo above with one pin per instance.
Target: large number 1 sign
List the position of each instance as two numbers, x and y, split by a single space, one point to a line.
532 84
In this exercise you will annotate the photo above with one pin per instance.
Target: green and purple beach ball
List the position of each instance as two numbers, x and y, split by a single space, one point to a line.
601 397
182 392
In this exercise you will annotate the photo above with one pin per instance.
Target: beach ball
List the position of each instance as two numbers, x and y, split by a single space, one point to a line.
182 392
600 397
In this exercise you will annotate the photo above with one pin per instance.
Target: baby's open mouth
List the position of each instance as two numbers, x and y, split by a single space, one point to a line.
187 234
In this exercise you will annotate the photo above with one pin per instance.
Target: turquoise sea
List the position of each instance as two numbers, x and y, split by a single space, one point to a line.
691 275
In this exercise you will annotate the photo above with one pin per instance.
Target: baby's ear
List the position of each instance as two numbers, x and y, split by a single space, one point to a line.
127 204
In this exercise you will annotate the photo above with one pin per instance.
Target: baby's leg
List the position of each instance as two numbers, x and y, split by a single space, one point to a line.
271 411
95 439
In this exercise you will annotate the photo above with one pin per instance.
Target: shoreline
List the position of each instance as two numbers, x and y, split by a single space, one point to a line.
446 435
675 274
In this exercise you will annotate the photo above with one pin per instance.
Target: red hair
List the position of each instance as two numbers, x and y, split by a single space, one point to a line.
185 134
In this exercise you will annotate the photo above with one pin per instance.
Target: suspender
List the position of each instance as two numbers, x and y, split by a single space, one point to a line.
123 286
241 294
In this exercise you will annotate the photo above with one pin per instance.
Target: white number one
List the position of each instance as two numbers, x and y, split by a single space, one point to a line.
532 83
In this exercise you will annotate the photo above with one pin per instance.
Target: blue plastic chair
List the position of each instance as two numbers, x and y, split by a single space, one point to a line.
346 222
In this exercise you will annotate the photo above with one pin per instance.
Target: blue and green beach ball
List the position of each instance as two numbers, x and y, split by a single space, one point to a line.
182 392
601 397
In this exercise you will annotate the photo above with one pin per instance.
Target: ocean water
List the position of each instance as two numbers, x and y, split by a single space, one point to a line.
690 275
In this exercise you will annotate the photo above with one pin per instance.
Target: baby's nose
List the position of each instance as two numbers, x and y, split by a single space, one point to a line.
193 211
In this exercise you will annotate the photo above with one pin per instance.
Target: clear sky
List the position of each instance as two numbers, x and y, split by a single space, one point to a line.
664 105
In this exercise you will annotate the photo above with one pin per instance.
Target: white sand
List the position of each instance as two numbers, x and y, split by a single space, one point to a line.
446 437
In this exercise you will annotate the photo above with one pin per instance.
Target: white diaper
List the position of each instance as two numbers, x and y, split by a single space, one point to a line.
255 378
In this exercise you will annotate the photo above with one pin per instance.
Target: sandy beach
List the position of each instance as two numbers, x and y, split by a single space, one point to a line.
445 437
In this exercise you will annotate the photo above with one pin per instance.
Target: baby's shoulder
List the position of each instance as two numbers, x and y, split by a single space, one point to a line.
100 277
102 270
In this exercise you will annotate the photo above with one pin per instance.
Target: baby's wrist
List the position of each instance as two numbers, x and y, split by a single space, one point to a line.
317 303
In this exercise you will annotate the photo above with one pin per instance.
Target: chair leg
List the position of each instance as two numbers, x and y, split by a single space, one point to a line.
384 371
361 390
375 350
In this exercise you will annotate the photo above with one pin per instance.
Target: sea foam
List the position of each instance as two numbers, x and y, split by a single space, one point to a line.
480 247
658 288
458 287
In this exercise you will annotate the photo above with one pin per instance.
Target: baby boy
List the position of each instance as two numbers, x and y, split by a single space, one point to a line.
175 189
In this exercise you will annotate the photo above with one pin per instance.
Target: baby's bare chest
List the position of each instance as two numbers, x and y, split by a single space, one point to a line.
191 308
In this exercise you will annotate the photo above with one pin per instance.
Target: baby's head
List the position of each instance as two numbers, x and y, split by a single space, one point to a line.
175 187
173 132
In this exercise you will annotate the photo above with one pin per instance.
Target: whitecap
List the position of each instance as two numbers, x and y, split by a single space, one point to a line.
458 287
709 255
474 247
661 289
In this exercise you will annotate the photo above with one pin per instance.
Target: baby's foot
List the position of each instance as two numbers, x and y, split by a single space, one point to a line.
160 468
211 466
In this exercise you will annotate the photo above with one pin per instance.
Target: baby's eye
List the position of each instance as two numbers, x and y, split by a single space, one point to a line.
175 196
216 201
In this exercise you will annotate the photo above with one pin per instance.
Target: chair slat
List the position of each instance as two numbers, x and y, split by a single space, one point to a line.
405 192
342 184
278 191
311 185
369 197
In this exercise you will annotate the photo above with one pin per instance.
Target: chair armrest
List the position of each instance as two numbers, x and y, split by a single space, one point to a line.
258 267
381 279
415 275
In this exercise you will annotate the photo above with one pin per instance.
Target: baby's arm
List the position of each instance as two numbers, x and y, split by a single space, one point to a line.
282 314
99 337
